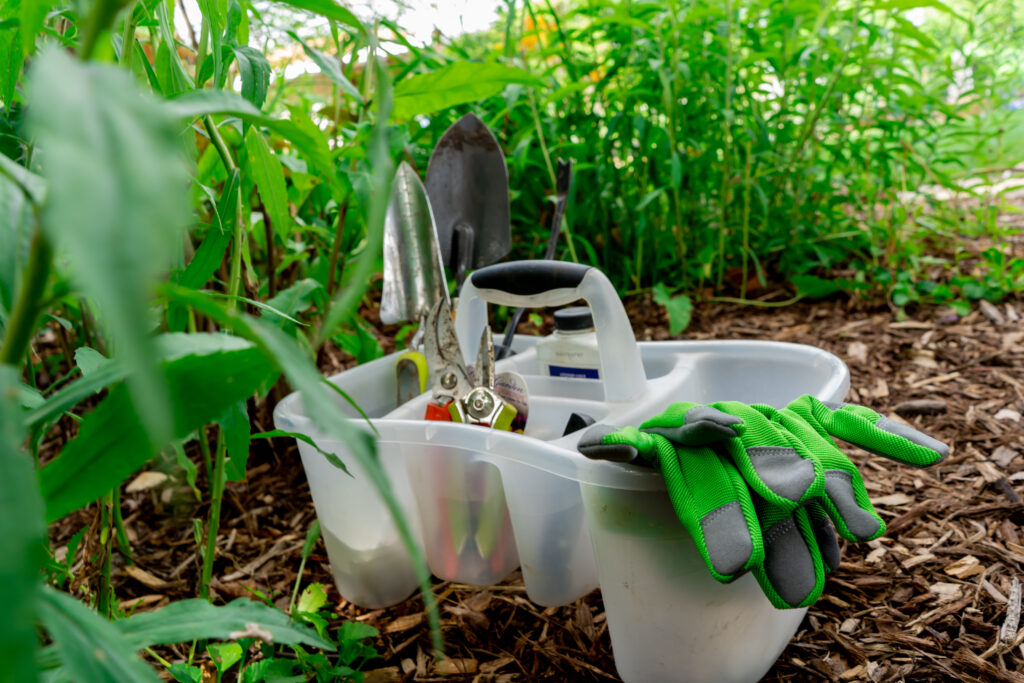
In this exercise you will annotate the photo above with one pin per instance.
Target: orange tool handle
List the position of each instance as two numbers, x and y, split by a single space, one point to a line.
437 413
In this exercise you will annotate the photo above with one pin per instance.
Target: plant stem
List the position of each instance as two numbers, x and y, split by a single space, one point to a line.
21 324
122 534
105 592
235 273
102 14
295 589
128 41
213 523
339 231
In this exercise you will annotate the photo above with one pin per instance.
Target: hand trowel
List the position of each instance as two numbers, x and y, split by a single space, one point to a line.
413 275
467 182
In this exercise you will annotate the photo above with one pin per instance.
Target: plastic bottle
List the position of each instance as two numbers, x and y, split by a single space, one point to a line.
571 351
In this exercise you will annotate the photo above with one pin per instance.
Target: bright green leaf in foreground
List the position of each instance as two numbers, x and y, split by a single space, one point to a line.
457 83
197 619
21 538
117 201
111 443
91 649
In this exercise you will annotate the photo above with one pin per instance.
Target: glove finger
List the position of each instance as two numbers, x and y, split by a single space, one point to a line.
825 535
712 502
871 431
690 424
793 573
781 475
847 503
604 442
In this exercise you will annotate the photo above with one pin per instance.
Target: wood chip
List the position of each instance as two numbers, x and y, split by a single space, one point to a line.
935 380
404 623
915 560
857 351
893 499
145 481
455 667
925 406
989 472
145 578
388 674
135 604
1003 456
946 592
1008 414
989 310
1008 631
965 567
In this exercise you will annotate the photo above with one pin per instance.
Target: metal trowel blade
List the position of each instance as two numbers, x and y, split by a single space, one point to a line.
467 181
413 275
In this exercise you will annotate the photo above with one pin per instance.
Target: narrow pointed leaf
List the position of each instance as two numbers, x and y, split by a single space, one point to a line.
456 83
117 203
187 620
91 649
266 170
21 538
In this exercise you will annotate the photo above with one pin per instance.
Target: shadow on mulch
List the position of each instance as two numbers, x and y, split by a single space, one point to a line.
924 602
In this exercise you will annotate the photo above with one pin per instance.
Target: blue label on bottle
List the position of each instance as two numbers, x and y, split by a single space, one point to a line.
578 373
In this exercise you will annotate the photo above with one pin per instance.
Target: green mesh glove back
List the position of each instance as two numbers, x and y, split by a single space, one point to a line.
797 480
707 492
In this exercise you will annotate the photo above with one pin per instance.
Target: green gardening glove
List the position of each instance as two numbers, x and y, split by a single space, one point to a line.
797 478
708 494
725 520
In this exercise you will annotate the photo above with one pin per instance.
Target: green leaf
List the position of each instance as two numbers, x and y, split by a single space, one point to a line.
91 649
329 67
680 308
266 170
297 298
186 673
33 16
305 438
352 631
211 252
312 599
456 83
238 435
22 533
117 204
330 10
188 620
216 372
16 225
311 537
814 287
224 655
199 103
99 379
89 360
12 55
254 71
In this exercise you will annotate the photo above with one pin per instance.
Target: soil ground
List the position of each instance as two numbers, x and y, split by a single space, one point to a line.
924 602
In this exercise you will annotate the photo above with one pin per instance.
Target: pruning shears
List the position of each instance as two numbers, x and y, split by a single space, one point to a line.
458 394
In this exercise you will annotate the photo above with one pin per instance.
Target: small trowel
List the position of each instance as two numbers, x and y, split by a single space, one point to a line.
467 182
413 275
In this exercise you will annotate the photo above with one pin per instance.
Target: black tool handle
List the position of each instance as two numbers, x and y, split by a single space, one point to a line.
529 278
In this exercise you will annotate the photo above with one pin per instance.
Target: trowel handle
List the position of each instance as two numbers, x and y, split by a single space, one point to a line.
539 284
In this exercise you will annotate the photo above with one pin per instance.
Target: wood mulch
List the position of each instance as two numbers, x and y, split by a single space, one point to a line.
926 601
